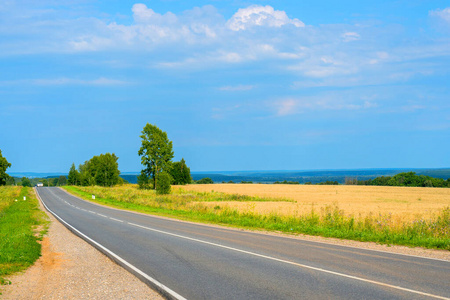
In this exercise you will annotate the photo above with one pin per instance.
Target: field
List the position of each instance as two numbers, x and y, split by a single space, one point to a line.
401 203
406 216
22 225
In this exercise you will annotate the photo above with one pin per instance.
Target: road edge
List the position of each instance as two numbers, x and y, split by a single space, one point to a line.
303 237
163 290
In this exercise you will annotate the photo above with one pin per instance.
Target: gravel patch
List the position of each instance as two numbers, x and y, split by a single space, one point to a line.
70 268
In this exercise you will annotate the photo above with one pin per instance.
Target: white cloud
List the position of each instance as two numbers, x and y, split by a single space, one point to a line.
412 107
323 102
350 36
201 38
380 57
257 15
235 88
286 107
443 14
143 14
101 81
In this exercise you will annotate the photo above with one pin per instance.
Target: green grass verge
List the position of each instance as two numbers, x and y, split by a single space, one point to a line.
22 225
331 222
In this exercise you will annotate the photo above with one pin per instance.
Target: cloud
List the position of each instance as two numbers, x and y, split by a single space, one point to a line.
350 36
265 16
286 107
236 88
324 102
101 81
143 14
201 38
443 14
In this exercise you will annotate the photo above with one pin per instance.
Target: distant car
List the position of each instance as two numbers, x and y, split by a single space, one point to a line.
40 184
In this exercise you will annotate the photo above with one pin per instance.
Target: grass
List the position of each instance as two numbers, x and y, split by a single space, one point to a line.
361 201
22 225
328 221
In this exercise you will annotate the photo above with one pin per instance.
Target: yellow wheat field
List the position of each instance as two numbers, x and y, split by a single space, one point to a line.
404 203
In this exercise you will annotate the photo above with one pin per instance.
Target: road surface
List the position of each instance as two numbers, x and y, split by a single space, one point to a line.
192 261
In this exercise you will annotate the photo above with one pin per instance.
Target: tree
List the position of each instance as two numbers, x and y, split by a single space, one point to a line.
156 152
164 180
100 170
53 181
4 164
85 177
62 180
10 180
25 182
180 173
74 176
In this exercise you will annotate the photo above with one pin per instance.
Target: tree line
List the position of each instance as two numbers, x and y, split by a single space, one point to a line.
404 179
49 181
156 154
102 170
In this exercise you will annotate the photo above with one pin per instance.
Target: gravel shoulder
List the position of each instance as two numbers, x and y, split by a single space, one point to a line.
70 268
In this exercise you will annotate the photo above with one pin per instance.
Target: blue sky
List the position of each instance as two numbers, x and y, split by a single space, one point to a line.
237 85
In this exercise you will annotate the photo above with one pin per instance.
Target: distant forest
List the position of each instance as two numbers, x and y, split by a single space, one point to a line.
322 176
404 179
387 177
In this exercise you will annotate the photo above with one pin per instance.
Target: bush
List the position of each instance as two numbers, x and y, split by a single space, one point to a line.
144 181
26 182
163 181
205 180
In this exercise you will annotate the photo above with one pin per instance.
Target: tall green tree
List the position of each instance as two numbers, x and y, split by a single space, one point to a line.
156 152
4 164
74 176
106 169
180 173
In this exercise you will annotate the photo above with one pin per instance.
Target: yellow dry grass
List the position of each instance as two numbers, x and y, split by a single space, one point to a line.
404 203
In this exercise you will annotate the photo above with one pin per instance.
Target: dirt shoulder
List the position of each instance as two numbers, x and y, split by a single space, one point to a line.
70 268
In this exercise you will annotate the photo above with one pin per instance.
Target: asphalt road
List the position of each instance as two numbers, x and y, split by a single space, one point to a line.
194 261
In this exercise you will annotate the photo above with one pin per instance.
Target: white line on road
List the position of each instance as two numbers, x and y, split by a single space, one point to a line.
118 258
274 259
116 220
294 263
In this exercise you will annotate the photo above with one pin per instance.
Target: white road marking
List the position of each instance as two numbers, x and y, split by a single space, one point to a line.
102 215
293 263
116 220
117 257
275 259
